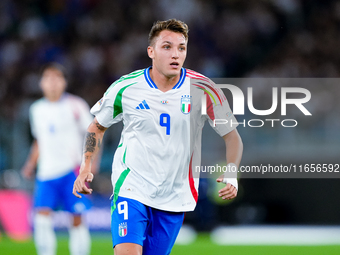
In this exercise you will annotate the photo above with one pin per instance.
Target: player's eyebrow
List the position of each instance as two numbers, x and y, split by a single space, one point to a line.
168 42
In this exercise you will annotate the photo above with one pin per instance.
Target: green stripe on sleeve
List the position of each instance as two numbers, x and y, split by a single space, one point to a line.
117 105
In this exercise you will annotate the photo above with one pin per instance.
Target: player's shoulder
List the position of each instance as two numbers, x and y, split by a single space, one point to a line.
193 74
130 78
75 100
198 79
126 80
203 83
40 103
72 97
133 75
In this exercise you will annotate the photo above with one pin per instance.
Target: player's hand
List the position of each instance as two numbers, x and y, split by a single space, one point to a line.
228 192
79 185
28 171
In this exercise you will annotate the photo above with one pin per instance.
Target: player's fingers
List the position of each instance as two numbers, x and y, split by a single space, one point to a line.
226 188
80 187
77 185
89 177
231 195
227 191
220 178
85 190
77 195
74 192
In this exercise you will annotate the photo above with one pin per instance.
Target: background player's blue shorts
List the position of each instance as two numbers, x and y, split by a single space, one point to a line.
134 222
57 194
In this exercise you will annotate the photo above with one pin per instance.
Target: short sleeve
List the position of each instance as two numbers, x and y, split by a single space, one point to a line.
85 115
219 114
222 120
108 110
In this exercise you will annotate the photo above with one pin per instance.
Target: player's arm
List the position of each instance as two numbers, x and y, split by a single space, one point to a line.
92 144
85 119
28 169
97 158
234 148
96 161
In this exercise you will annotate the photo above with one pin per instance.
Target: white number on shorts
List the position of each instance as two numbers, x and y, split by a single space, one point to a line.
123 208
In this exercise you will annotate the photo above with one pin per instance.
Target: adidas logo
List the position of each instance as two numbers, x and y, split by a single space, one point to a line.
143 105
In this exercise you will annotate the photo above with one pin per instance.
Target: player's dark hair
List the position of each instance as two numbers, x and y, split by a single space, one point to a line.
173 25
54 66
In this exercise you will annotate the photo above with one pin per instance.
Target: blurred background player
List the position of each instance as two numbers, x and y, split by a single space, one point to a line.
58 123
152 176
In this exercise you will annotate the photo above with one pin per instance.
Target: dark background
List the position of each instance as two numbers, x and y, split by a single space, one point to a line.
98 41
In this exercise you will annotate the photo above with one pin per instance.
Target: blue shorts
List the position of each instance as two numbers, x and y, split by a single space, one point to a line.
134 222
57 194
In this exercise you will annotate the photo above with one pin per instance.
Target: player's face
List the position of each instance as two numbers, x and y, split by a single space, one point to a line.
53 84
168 53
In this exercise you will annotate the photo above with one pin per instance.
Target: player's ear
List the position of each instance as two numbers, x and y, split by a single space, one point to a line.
150 52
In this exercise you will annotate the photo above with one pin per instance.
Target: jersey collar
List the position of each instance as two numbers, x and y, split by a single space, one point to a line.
153 85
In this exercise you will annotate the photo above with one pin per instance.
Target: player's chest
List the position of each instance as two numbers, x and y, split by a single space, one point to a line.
54 118
151 103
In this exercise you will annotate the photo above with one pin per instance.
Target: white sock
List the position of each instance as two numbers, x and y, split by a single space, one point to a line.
80 240
44 236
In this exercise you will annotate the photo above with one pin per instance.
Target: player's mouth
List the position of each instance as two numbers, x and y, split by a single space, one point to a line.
174 65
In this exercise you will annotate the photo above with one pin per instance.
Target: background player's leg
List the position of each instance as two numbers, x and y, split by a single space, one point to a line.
80 240
44 235
45 200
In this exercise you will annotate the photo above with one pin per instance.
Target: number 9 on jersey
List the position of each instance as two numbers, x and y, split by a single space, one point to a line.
164 121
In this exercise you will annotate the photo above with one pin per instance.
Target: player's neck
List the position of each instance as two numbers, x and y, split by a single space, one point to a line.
163 82
53 98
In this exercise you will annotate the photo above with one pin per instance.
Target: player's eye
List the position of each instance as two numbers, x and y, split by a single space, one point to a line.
166 47
181 48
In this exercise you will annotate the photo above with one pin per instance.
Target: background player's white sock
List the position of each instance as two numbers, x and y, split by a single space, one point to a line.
44 236
80 240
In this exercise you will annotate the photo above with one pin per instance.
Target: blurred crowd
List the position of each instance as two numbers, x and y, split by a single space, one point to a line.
100 40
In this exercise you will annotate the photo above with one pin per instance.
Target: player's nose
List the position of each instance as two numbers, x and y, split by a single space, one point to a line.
175 54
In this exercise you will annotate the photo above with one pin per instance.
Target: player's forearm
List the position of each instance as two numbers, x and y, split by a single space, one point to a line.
33 156
96 161
31 162
234 147
93 141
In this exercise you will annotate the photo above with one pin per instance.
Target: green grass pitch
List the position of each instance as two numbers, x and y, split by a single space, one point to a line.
101 245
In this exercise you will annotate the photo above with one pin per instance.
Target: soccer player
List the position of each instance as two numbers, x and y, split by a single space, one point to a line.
58 122
153 167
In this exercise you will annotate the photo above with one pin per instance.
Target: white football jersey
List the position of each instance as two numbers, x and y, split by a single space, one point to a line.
161 137
59 128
